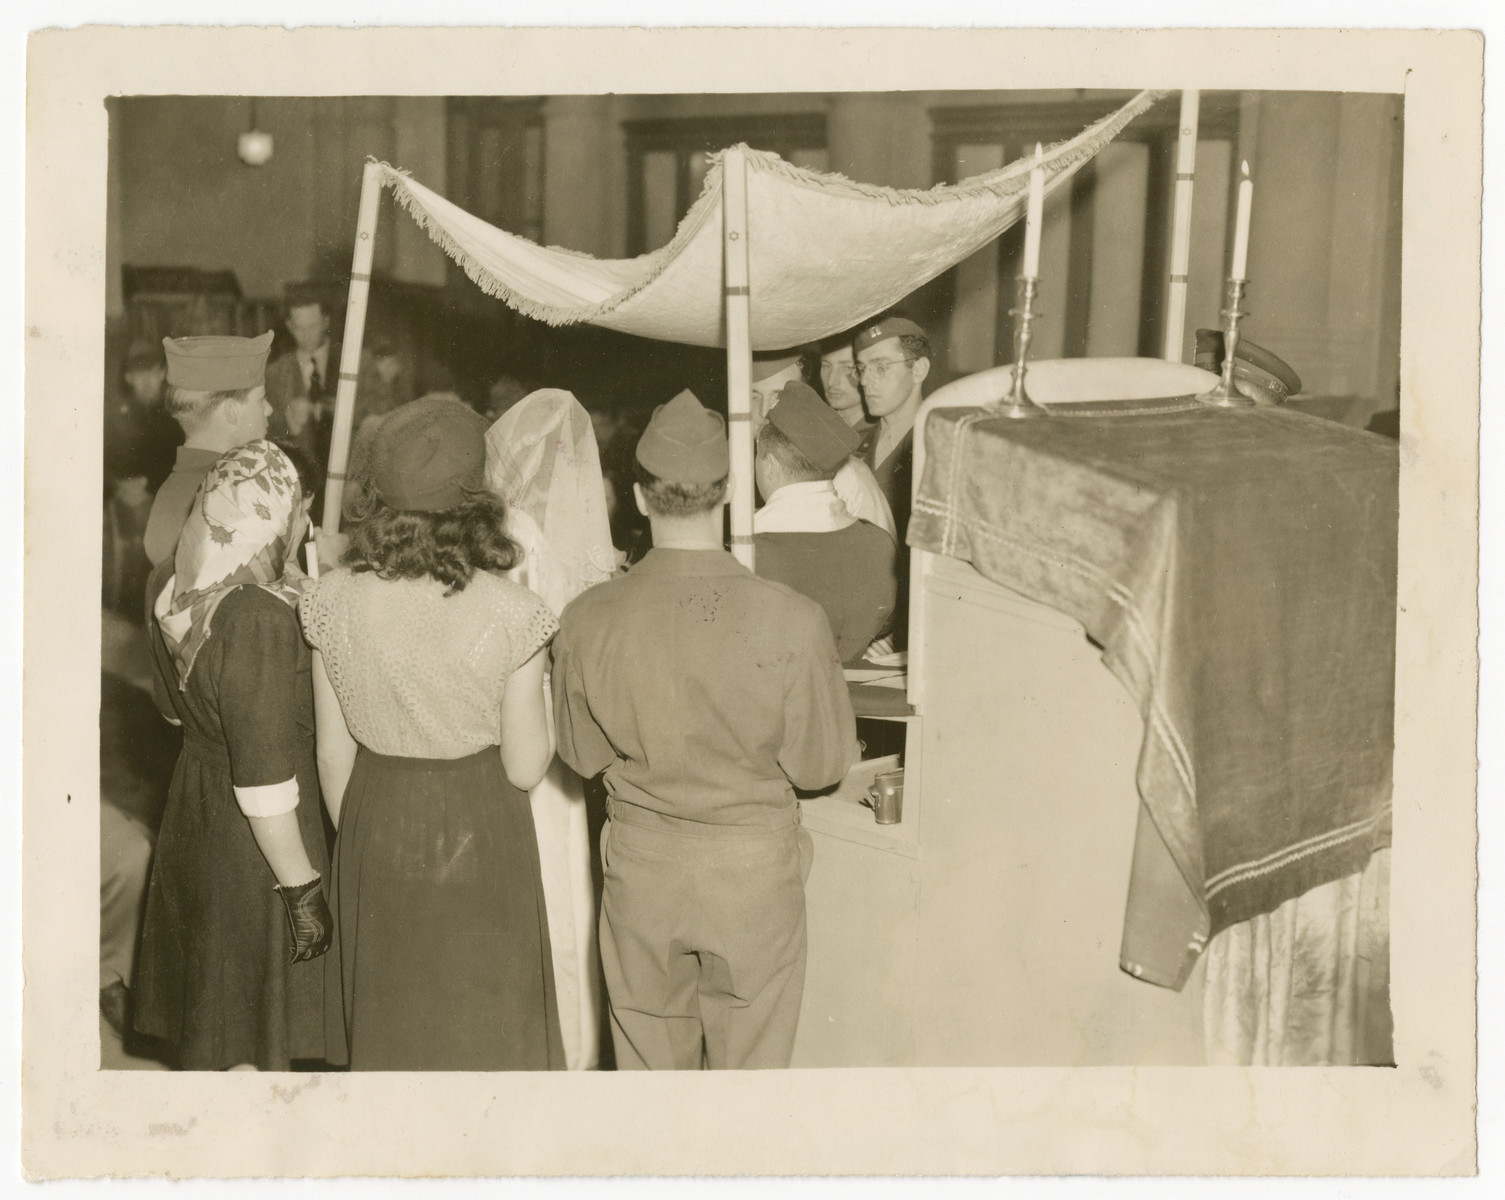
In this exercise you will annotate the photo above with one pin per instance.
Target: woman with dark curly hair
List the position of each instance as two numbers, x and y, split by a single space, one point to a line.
432 727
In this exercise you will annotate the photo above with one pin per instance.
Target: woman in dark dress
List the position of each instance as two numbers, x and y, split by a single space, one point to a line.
428 679
235 913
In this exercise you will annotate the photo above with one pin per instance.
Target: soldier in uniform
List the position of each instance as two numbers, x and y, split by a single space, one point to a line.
706 695
216 391
893 359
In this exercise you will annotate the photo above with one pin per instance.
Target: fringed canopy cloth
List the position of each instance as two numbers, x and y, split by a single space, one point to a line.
825 253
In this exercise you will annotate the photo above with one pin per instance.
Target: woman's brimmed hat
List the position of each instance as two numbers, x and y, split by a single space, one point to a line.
429 455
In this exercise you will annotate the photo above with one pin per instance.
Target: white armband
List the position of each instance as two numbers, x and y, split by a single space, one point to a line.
268 800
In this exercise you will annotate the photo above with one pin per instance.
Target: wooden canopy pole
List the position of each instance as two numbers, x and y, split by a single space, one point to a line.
1186 167
350 353
738 350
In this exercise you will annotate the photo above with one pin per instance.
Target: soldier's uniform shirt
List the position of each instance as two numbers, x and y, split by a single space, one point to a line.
174 501
701 690
705 694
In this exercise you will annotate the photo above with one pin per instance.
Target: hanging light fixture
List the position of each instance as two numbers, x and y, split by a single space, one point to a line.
255 145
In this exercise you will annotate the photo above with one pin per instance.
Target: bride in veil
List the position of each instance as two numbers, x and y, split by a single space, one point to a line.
542 460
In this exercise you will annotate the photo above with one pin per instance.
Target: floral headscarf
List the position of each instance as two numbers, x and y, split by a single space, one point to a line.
243 530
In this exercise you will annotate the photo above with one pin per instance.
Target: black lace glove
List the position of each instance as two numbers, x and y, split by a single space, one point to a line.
309 918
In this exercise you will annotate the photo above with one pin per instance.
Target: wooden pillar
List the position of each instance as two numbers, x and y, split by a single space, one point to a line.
737 314
350 348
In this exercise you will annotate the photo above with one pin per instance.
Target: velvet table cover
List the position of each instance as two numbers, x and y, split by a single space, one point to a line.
1238 567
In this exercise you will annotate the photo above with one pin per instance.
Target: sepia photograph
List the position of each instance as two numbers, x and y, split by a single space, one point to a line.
804 589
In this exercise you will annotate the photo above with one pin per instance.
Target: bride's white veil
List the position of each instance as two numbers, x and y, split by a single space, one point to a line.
541 458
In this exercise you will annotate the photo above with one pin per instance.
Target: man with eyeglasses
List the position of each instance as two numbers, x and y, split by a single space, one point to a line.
893 359
854 481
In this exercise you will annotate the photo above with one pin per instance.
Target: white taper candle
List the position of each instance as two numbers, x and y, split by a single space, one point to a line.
1241 227
1032 218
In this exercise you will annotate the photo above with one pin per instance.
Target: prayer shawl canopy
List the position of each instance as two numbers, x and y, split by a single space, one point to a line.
824 253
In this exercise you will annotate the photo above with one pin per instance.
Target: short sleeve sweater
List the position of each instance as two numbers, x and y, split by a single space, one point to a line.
420 674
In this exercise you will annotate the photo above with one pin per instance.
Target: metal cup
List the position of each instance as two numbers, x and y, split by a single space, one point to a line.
886 797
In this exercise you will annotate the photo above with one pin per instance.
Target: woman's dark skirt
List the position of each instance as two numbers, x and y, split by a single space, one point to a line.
441 957
213 973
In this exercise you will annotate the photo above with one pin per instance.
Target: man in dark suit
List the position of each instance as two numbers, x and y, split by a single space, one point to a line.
301 384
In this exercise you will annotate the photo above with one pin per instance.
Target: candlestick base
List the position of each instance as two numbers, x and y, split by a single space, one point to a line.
1218 398
1015 404
1224 394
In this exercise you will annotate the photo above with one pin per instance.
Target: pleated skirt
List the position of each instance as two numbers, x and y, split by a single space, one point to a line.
441 960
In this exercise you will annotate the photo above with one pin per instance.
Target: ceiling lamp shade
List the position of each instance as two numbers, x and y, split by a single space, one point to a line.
255 145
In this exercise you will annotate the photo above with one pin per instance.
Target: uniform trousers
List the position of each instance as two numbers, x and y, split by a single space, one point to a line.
703 939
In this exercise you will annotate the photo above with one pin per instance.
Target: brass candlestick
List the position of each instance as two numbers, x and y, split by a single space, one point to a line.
1016 403
1224 394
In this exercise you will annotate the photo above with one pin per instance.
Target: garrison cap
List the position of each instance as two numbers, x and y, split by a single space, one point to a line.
429 455
217 364
685 443
891 327
1252 363
813 426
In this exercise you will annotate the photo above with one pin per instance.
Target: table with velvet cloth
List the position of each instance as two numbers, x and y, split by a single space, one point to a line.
1238 569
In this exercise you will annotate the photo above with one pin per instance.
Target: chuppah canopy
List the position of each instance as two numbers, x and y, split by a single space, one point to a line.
824 253
770 256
